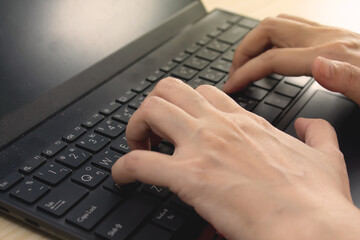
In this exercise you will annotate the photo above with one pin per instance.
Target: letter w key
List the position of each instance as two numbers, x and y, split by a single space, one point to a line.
106 159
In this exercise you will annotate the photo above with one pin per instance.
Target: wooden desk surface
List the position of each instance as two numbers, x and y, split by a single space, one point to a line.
342 13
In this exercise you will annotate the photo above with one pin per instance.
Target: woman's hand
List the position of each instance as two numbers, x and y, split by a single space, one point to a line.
241 174
290 45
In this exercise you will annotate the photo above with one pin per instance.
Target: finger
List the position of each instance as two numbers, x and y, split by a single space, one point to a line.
218 98
160 117
145 166
180 94
317 133
278 32
338 76
298 19
285 61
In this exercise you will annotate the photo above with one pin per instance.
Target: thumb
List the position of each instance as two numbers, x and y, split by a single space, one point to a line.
317 133
338 76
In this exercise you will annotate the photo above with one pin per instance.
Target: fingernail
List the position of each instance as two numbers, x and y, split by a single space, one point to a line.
326 67
225 87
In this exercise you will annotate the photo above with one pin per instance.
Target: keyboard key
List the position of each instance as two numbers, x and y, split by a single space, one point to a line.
141 86
93 120
214 33
168 66
105 159
54 148
184 73
297 81
165 148
193 48
92 142
151 232
52 173
174 199
194 83
127 96
74 134
110 128
276 76
181 57
155 76
249 23
266 83
287 90
255 93
29 191
235 46
246 103
225 26
123 114
31 164
234 19
73 157
120 144
10 180
268 112
136 102
156 191
221 65
221 83
228 56
170 218
278 100
196 63
208 54
149 90
61 199
233 35
212 75
92 209
89 176
125 219
122 190
203 41
110 108
218 46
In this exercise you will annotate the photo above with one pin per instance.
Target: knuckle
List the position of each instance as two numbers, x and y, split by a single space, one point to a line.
131 161
338 154
256 123
268 23
338 48
261 121
150 103
204 88
282 15
212 141
269 55
166 83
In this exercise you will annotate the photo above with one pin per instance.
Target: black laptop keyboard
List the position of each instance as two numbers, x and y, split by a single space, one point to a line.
89 199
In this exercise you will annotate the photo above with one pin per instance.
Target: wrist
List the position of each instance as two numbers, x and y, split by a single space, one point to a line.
336 220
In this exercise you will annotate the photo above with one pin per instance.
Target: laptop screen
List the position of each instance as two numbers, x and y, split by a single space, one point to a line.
44 43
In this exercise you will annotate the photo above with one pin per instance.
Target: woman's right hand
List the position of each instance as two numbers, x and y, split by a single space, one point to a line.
294 46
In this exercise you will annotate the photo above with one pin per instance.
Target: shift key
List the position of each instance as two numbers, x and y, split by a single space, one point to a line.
126 218
92 209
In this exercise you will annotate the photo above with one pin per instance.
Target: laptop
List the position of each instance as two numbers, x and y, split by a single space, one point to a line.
73 72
